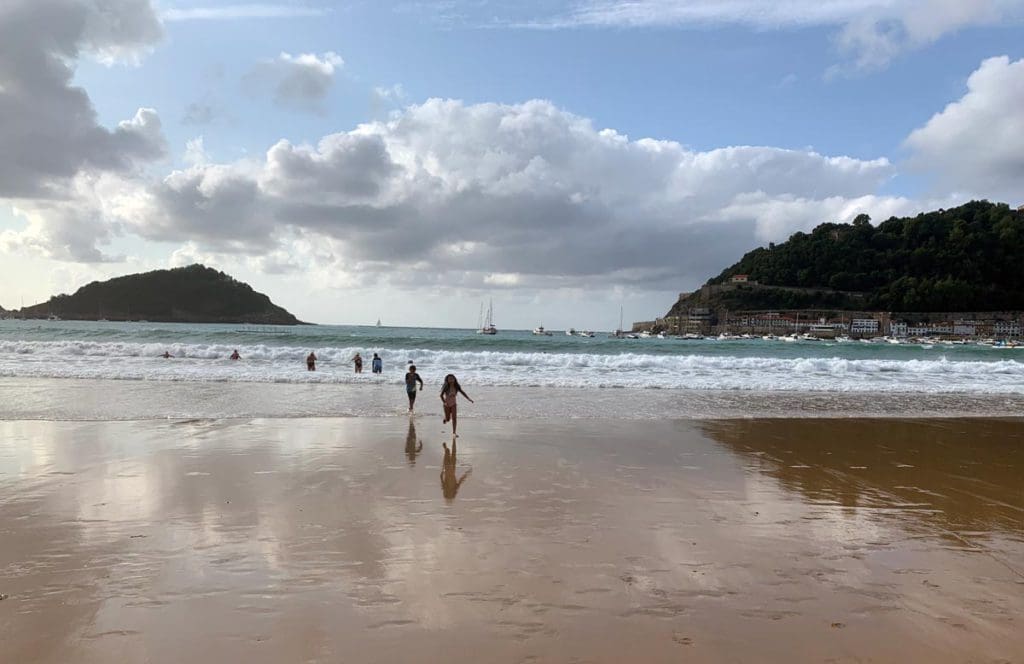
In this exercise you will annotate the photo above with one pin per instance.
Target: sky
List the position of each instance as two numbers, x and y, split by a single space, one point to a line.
409 160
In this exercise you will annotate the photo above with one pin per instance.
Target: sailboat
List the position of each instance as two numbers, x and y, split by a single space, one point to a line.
378 322
618 334
487 327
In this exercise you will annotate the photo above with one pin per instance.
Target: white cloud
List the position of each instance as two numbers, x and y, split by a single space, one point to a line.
240 11
296 81
871 32
524 195
195 152
976 144
49 131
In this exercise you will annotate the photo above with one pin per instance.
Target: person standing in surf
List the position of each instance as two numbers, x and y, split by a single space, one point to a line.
377 365
358 361
411 378
449 391
311 361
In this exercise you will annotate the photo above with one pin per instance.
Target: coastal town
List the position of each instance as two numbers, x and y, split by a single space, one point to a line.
986 327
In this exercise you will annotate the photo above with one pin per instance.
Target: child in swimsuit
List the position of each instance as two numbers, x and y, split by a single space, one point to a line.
449 391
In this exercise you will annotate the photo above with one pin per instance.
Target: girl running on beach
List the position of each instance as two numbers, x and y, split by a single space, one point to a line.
449 391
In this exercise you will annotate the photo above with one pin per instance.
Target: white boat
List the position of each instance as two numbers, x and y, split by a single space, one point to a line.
487 326
541 332
378 322
584 333
571 332
645 335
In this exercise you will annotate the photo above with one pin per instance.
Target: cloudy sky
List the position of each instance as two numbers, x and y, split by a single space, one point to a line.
408 159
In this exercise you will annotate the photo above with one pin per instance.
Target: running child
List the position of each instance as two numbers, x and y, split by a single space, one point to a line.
411 378
449 391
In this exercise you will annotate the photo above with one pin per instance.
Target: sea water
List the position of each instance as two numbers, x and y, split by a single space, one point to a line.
721 376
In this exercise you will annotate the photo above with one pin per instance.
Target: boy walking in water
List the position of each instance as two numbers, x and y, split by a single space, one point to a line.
411 378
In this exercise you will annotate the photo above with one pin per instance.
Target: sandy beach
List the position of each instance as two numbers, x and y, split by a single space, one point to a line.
365 540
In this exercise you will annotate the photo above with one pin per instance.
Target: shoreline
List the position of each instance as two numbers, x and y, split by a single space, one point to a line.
75 399
271 540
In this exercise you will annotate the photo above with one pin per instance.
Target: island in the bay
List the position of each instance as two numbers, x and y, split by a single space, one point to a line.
193 294
955 272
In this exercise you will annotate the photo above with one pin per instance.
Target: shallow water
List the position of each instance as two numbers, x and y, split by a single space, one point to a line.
601 541
131 351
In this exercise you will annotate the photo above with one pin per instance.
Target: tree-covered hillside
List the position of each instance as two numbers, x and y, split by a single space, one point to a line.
962 259
194 294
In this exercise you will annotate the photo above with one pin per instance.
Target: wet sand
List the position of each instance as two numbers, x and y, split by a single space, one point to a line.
532 541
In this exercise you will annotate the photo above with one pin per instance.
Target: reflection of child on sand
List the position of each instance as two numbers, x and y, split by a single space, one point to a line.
413 446
450 483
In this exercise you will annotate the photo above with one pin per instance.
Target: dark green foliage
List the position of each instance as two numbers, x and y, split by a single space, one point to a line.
196 294
963 259
762 299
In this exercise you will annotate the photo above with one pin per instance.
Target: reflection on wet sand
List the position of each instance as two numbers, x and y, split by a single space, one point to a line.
413 445
450 481
960 478
608 541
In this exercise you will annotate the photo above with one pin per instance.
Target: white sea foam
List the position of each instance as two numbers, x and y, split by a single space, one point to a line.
284 364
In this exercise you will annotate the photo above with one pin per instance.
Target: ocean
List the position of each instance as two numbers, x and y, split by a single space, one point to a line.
41 361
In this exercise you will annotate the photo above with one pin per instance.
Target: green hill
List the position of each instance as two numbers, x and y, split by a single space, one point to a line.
968 258
193 294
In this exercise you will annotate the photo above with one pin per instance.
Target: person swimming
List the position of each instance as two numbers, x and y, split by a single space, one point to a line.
235 355
311 361
411 378
166 355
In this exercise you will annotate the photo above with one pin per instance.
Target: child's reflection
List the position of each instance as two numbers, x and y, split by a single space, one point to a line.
450 482
413 446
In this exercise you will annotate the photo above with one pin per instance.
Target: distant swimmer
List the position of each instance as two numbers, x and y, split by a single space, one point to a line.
449 391
358 360
235 355
377 366
166 355
311 361
411 378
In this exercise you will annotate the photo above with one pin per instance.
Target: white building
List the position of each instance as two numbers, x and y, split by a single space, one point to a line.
899 328
1006 328
864 326
965 328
